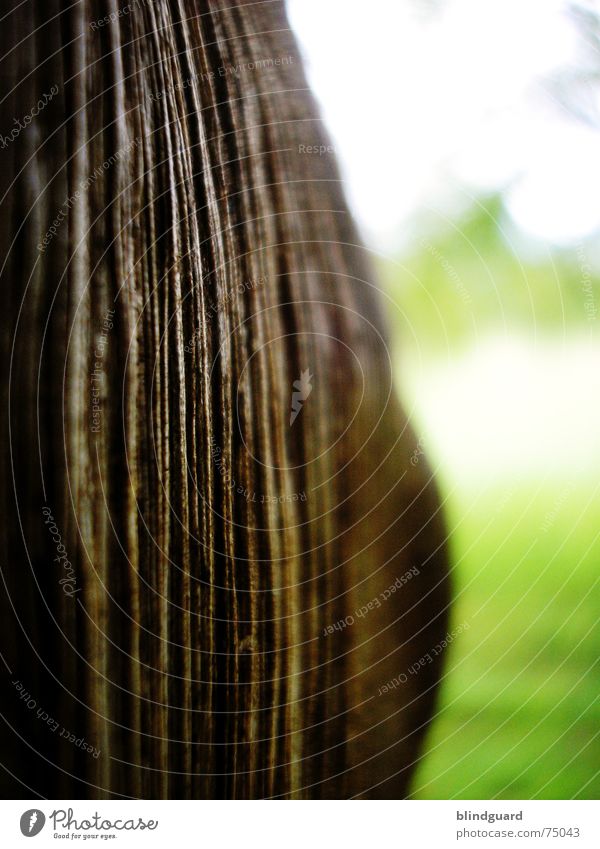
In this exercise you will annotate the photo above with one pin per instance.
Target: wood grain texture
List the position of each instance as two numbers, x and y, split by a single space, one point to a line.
150 345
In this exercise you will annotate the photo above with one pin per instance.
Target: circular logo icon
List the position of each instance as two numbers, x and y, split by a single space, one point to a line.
32 822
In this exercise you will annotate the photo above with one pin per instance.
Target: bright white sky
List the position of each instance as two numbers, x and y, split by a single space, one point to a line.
430 101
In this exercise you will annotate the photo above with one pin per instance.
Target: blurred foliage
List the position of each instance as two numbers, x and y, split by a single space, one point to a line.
478 276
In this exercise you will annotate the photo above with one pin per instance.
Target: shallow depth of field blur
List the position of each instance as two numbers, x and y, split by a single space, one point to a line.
469 137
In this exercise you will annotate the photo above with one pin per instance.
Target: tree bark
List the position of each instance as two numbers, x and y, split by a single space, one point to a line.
182 564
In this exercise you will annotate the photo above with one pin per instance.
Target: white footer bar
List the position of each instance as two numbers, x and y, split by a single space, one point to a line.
302 825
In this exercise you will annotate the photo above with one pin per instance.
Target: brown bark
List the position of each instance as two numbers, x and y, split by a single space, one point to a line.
150 346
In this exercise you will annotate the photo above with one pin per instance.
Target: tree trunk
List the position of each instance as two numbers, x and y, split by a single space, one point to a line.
207 477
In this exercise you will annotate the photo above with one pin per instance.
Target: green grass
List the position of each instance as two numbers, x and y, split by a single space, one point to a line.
519 712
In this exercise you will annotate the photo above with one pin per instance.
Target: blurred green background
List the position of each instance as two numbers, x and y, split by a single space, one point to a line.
498 365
